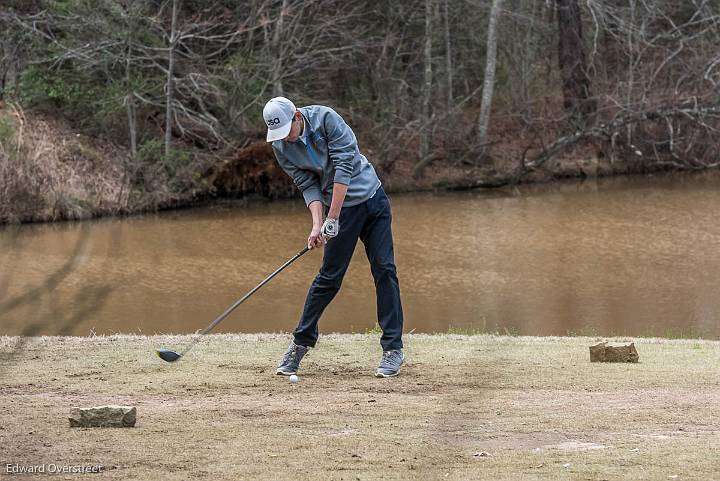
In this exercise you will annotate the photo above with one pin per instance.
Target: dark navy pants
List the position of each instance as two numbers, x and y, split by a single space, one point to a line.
369 222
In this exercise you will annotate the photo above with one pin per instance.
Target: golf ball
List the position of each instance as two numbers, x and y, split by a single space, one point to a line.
294 379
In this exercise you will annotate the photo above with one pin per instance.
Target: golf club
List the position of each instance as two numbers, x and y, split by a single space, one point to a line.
172 356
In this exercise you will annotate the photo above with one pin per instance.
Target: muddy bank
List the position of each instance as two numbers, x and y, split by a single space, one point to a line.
50 171
464 407
253 171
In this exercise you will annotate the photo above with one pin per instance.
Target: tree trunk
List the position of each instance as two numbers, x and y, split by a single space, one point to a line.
448 57
130 95
169 86
577 97
277 51
427 87
529 50
132 124
3 66
489 81
10 55
631 67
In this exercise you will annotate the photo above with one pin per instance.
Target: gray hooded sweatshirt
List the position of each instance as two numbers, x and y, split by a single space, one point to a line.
327 152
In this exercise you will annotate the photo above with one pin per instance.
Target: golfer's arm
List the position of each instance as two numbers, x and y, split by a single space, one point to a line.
338 197
316 209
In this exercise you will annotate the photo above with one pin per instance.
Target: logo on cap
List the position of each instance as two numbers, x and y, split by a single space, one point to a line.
278 114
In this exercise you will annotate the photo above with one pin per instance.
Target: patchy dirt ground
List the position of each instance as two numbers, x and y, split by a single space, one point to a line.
464 407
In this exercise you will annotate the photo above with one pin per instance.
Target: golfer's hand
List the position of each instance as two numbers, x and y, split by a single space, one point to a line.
330 228
315 239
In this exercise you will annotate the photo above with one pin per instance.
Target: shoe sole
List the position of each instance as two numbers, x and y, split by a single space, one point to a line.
379 374
283 373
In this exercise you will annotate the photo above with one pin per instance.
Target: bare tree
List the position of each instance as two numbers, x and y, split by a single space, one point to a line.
172 43
278 51
9 56
489 80
448 56
427 90
660 108
571 56
632 82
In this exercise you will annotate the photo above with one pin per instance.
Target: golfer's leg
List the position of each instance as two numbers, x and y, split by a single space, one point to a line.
377 237
336 257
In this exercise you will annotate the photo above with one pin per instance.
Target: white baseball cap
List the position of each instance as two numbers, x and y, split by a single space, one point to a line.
278 115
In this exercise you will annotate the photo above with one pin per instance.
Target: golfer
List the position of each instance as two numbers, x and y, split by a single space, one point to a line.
318 150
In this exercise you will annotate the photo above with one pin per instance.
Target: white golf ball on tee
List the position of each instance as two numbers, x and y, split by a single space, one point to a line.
294 379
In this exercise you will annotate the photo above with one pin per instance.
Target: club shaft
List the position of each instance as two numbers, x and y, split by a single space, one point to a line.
243 299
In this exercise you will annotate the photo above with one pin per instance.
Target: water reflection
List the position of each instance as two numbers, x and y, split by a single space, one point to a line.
634 256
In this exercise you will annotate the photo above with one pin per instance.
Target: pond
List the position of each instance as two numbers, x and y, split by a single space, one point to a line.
634 256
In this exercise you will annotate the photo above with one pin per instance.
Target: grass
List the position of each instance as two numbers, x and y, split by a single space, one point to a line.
375 330
535 405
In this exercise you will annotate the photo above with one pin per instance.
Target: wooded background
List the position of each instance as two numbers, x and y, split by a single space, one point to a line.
114 106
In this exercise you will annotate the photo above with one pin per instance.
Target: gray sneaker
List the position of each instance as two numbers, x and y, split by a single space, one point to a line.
291 360
390 363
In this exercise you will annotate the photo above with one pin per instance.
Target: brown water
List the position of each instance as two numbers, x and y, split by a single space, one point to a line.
632 256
